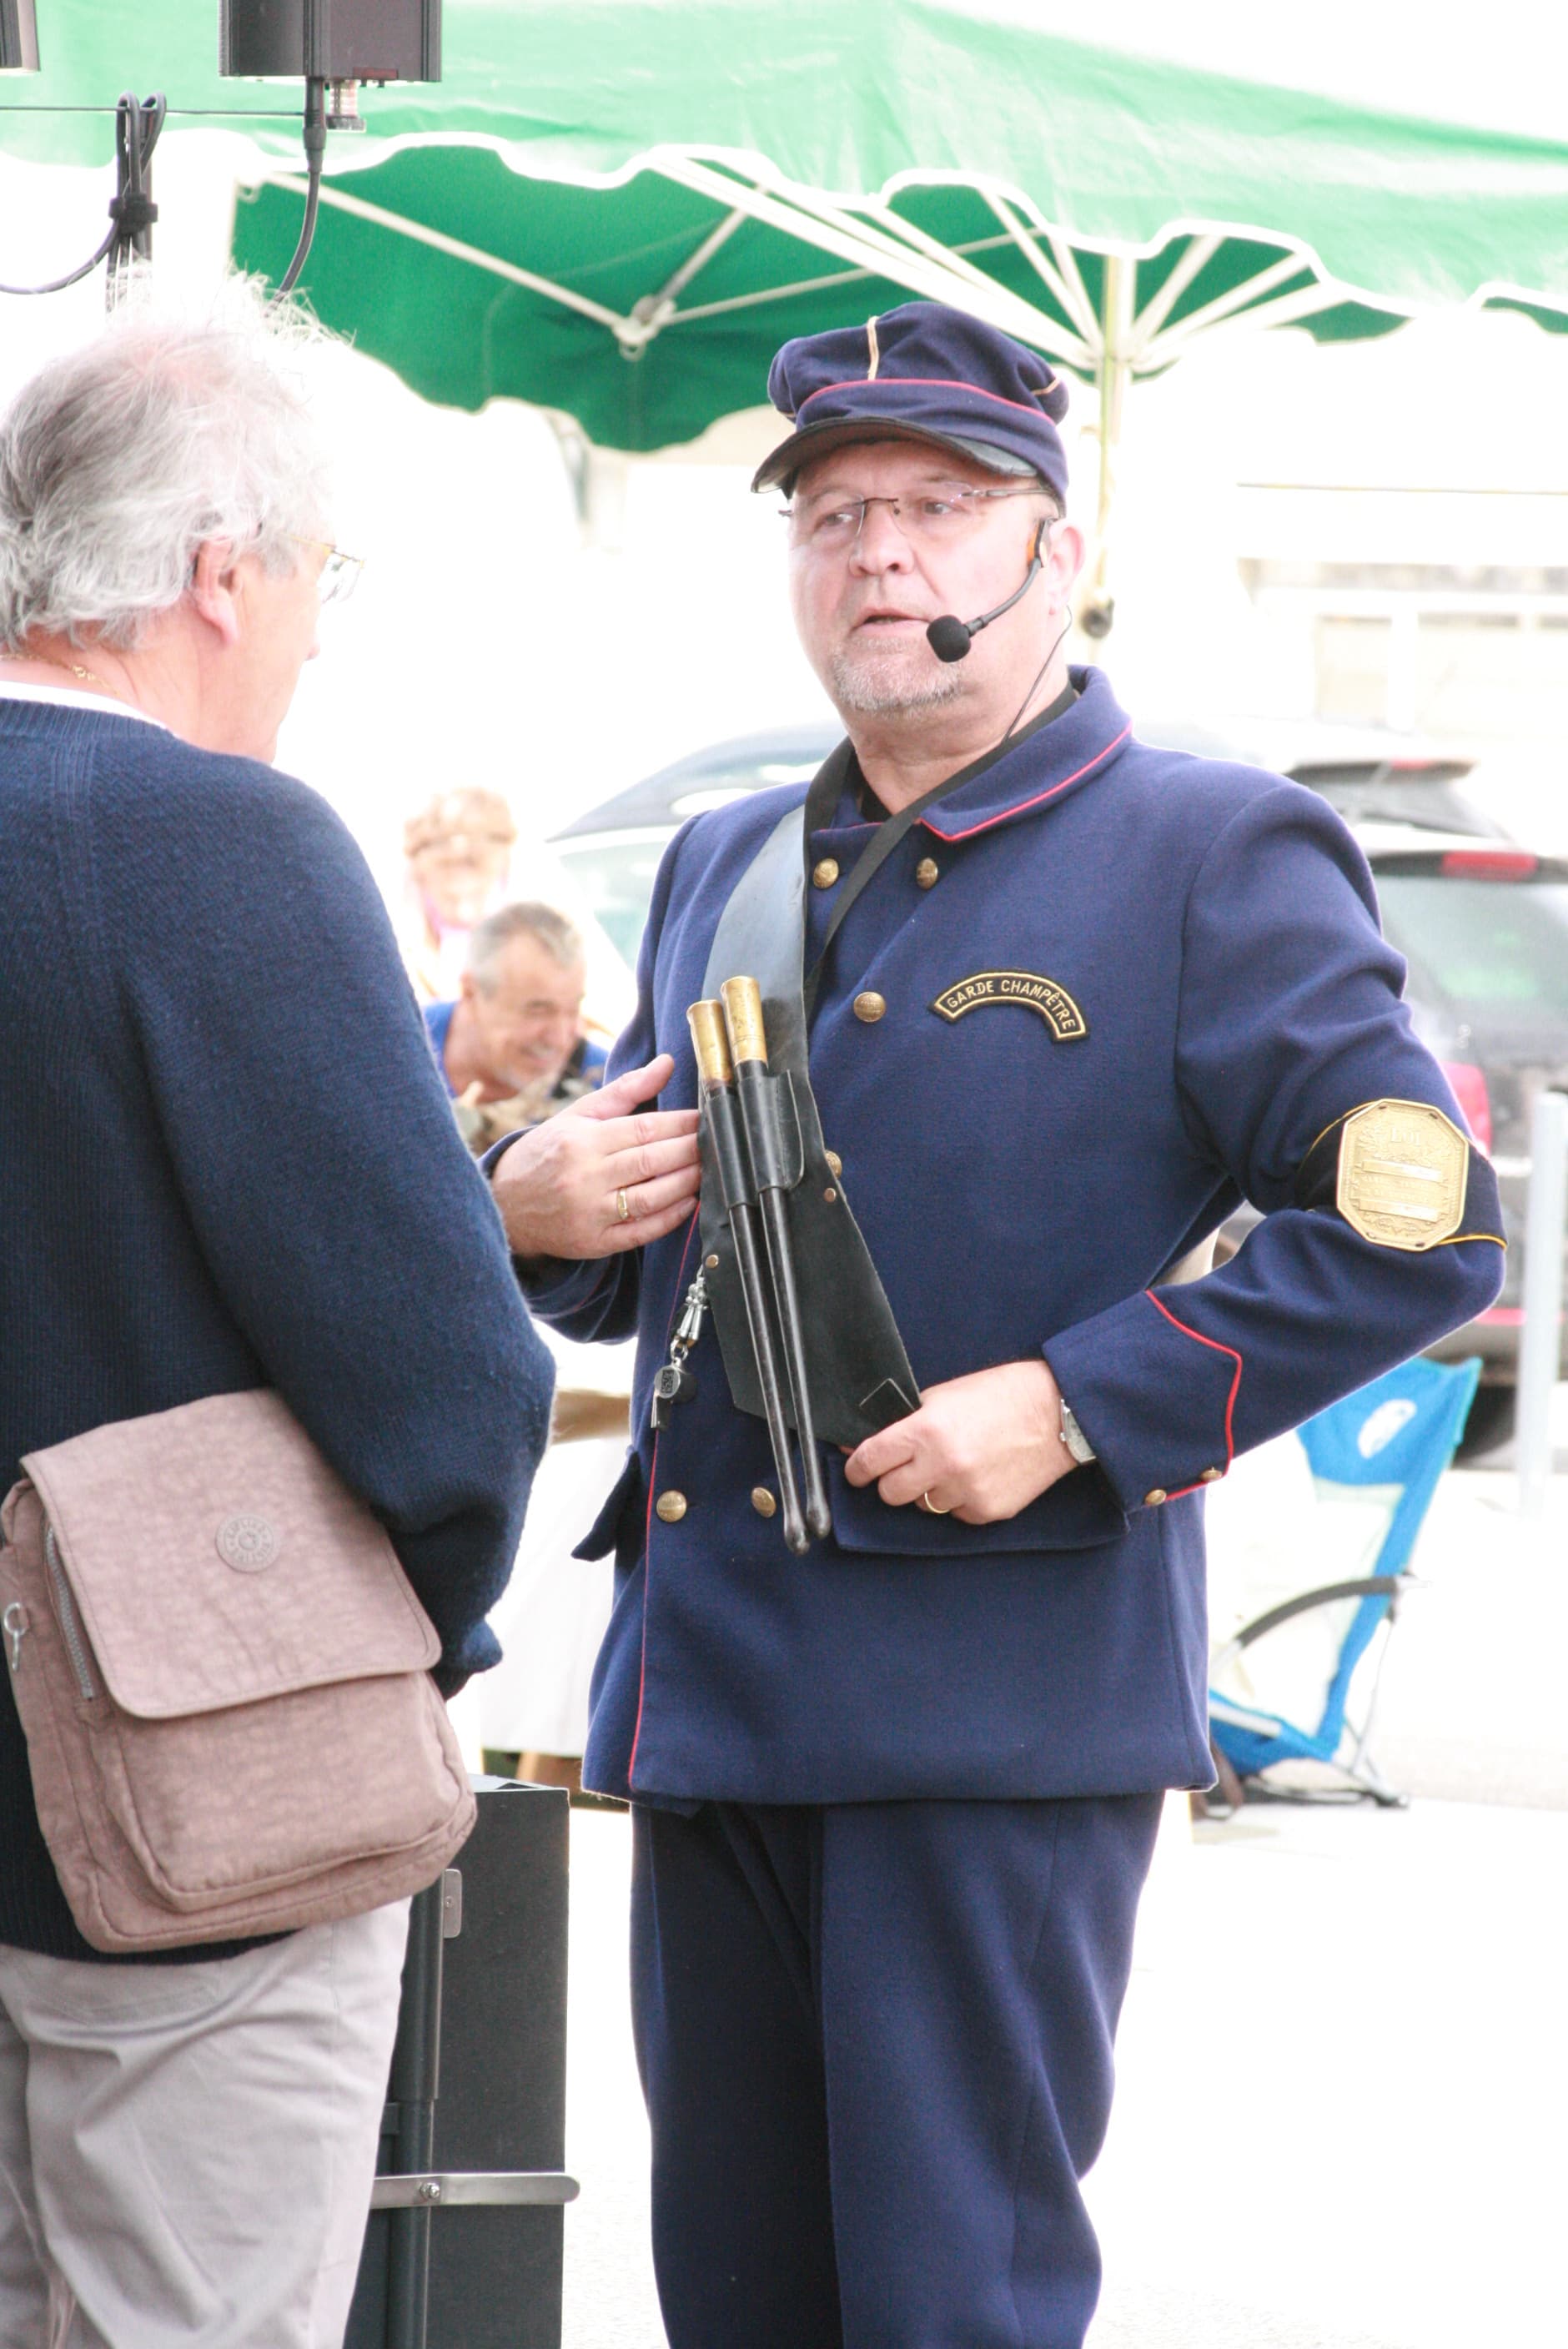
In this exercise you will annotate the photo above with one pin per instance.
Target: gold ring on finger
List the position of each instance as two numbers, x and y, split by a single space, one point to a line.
929 1505
623 1208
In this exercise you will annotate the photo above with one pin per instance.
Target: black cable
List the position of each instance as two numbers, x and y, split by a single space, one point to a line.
131 211
58 284
1039 676
314 150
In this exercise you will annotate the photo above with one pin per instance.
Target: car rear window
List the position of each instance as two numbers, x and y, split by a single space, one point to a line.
616 879
1432 802
1490 947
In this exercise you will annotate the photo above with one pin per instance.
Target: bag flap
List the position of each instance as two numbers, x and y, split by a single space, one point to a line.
215 1557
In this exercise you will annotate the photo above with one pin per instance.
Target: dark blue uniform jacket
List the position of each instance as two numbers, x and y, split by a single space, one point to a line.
1021 1190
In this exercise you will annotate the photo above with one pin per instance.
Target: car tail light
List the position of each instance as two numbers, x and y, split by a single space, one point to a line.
1490 863
1469 1090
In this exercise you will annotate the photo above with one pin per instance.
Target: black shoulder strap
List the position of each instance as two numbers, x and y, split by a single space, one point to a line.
860 1374
819 813
822 803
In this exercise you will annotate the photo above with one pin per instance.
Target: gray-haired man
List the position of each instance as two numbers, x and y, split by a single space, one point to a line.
186 2148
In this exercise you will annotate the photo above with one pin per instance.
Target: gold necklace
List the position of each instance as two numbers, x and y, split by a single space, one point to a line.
72 668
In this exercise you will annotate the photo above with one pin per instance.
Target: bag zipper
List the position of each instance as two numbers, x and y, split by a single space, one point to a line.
66 1614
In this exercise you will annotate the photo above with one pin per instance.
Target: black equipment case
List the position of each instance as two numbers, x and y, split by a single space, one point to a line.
463 2250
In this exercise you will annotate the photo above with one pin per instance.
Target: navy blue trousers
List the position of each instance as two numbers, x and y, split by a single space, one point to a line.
875 2040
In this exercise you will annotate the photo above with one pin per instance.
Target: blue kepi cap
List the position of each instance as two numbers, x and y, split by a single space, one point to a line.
922 372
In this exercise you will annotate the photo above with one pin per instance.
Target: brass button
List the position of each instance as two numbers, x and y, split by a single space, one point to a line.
824 874
1210 1475
1150 1500
926 873
762 1501
711 1262
672 1505
869 1008
835 1164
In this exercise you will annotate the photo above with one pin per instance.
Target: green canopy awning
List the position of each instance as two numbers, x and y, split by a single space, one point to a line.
619 208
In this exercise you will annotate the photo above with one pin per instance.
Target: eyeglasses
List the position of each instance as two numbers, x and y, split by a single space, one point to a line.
928 517
339 571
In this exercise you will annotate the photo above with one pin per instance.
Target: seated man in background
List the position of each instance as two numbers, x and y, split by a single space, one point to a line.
512 1051
511 1047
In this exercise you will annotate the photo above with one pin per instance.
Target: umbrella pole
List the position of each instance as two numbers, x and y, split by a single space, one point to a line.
1097 611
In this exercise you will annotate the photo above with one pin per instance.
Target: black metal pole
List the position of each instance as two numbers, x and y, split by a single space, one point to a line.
413 2086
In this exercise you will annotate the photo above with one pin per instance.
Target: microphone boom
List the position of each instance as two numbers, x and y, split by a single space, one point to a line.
951 637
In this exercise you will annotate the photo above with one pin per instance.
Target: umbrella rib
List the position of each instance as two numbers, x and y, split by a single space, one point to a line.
721 309
949 256
799 285
1243 296
1072 275
1081 315
1322 295
822 284
1159 306
654 312
856 240
624 330
813 221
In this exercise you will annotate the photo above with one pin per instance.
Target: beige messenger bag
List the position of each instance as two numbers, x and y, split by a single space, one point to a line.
223 1677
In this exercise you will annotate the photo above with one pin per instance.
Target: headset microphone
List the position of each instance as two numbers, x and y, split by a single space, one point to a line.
951 637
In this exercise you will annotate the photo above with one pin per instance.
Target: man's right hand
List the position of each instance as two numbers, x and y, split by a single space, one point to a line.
558 1186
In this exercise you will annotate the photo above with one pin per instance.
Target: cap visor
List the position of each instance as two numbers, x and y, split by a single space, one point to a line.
816 441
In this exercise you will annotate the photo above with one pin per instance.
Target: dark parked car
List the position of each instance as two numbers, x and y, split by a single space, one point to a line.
1481 921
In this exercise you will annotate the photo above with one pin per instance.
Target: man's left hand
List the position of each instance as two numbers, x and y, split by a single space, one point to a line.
980 1448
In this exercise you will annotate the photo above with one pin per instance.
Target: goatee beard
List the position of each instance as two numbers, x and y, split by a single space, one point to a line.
877 687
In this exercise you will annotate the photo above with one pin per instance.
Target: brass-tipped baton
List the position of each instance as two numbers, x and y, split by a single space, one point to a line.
715 1075
760 1118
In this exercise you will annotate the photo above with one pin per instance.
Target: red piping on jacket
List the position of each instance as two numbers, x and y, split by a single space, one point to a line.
1022 806
648 1520
1235 1381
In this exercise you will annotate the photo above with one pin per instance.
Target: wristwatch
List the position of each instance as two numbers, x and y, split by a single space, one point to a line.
1077 1441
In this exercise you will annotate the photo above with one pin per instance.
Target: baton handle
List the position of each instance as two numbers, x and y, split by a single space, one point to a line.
716 1076
749 1049
710 1042
743 1019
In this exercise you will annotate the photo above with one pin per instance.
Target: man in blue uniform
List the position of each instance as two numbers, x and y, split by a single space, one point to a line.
1074 999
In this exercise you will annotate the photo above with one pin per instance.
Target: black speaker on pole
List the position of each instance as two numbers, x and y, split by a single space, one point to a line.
341 40
18 36
463 2250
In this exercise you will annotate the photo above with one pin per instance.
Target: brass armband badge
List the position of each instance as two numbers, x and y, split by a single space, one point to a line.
1403 1171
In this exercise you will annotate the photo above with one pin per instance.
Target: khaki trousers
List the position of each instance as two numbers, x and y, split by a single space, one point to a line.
186 2151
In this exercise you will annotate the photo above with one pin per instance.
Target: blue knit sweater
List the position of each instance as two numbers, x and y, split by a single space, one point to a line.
226 1161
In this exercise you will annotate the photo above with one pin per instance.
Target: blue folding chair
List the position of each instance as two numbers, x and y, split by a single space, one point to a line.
1396 1437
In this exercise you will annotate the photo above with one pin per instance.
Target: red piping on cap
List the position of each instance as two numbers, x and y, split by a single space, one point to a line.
929 383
